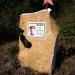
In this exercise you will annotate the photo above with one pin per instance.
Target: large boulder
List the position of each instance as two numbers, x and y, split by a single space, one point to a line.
39 30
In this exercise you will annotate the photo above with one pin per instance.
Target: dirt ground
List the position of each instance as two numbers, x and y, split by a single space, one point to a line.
9 64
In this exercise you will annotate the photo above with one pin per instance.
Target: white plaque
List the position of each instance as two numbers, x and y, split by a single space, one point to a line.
36 29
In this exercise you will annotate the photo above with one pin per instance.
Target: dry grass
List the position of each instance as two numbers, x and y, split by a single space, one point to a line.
68 67
9 64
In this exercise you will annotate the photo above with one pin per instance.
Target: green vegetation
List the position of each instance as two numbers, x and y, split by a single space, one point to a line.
10 11
67 23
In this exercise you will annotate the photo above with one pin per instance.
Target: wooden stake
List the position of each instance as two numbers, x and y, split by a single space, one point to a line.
46 5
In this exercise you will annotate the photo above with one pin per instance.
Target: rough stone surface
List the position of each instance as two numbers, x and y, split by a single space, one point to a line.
39 57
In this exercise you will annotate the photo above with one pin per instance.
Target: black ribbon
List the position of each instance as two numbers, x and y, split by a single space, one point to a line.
25 42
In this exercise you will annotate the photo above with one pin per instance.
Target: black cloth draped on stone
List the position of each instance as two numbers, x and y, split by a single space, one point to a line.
25 42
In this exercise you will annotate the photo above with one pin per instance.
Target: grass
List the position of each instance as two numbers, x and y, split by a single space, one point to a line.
67 21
